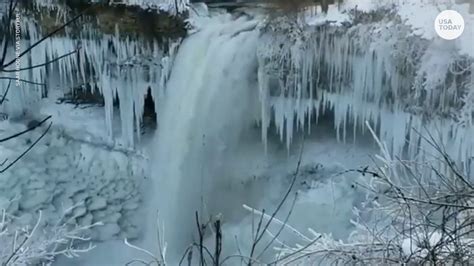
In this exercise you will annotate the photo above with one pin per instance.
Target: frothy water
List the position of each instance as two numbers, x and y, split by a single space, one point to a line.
210 103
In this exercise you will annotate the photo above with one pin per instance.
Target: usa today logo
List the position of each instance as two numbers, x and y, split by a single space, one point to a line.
449 25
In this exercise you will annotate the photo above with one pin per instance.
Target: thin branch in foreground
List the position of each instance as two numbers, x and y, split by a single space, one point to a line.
6 36
5 93
42 64
23 80
280 205
26 130
25 241
27 50
27 150
282 226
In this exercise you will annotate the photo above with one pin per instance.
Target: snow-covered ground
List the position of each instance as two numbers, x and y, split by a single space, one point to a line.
64 171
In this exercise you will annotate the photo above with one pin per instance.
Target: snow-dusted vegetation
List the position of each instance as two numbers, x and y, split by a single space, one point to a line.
419 213
277 132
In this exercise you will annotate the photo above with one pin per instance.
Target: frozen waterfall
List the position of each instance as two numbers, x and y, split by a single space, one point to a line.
210 100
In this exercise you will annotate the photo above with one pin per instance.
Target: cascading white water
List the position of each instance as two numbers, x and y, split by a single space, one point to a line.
210 100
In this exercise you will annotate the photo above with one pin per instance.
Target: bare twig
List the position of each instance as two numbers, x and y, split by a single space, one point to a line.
6 92
27 150
261 233
26 130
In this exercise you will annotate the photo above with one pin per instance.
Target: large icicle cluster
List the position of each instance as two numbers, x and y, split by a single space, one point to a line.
376 72
122 68
125 69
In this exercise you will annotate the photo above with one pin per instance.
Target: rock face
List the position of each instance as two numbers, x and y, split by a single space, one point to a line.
60 173
134 20
129 20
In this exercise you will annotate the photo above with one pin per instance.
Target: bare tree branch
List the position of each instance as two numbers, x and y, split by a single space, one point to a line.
26 130
27 50
5 93
27 150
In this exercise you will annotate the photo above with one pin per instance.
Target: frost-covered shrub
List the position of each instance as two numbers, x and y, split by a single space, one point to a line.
42 242
415 213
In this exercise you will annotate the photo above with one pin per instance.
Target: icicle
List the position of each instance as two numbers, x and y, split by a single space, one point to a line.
263 82
361 77
120 73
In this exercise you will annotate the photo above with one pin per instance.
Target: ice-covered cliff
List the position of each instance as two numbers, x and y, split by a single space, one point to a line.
369 68
362 65
120 60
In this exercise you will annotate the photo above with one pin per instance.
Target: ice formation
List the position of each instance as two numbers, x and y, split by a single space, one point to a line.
367 72
62 172
122 68
362 72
